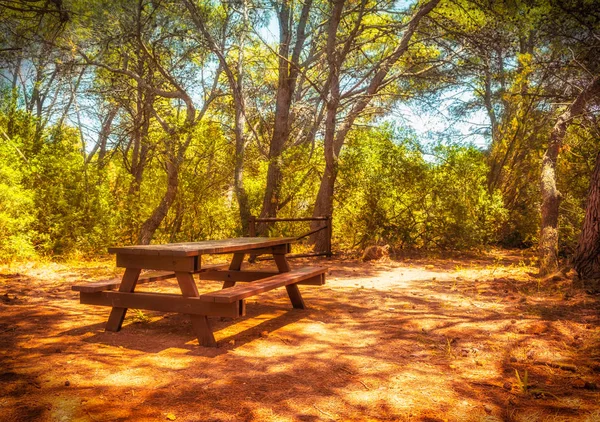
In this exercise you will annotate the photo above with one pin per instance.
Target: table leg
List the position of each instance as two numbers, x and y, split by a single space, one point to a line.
236 265
282 264
293 291
200 323
117 315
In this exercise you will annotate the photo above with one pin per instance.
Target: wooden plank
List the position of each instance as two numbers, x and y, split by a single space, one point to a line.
240 244
98 286
235 276
240 292
248 276
235 266
212 267
294 255
169 263
280 249
295 296
282 264
186 284
161 302
318 280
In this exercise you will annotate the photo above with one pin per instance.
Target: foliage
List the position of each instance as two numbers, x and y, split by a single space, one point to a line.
72 207
16 203
390 192
113 114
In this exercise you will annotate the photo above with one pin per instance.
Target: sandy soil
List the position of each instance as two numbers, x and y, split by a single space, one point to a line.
469 338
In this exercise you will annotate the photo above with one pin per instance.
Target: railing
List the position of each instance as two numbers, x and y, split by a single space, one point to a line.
252 221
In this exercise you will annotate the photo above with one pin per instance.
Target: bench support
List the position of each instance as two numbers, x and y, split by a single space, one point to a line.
292 289
295 297
117 315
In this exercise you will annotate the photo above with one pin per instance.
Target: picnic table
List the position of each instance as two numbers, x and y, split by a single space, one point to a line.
182 261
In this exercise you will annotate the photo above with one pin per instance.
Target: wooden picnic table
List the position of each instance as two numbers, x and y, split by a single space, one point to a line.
181 261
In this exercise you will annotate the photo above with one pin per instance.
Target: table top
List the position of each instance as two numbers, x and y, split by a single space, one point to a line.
203 247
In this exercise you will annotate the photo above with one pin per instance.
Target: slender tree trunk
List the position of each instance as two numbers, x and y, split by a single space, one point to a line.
280 135
286 86
238 176
548 244
240 126
101 143
13 99
160 212
236 84
587 255
324 201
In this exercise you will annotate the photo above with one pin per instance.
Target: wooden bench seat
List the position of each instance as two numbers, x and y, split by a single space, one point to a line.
239 292
113 283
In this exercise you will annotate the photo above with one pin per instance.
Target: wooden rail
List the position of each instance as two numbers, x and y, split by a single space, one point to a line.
252 220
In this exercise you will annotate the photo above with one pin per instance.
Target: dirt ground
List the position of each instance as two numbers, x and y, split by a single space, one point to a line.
468 338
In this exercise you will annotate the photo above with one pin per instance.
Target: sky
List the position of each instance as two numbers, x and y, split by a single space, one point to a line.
430 126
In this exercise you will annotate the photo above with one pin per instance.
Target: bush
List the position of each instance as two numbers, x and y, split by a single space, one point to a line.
389 193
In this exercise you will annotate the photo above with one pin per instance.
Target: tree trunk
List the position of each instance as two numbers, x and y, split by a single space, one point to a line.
587 254
160 212
288 69
324 201
240 126
238 176
101 143
548 244
281 126
236 84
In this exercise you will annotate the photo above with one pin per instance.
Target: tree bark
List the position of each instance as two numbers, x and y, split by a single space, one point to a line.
240 133
587 254
101 143
548 243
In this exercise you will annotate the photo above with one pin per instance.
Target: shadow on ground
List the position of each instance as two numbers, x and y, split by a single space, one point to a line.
381 341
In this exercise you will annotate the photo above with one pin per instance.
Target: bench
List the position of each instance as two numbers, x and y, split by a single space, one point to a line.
113 283
290 279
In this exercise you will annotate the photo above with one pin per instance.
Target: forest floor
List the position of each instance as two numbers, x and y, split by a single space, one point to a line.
461 338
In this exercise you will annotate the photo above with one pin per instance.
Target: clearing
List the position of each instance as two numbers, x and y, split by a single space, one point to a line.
465 338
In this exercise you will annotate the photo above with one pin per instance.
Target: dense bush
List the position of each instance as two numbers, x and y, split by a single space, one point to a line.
16 204
390 192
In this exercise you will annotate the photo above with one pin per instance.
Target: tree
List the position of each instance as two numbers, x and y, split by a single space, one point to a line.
548 246
158 46
233 67
362 87
587 254
293 36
